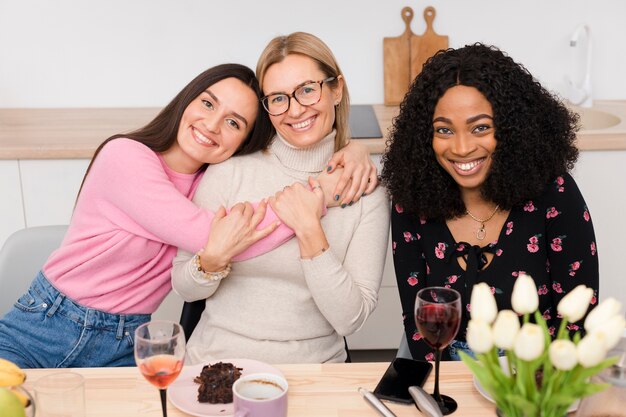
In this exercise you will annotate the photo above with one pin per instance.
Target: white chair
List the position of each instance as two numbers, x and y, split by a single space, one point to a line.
403 350
22 256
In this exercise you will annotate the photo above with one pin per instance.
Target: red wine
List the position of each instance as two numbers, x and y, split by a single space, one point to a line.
438 323
161 370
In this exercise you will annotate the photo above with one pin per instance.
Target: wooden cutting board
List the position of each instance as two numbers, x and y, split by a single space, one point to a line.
397 61
427 44
404 56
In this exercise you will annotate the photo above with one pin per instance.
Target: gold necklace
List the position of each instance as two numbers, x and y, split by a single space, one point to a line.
480 233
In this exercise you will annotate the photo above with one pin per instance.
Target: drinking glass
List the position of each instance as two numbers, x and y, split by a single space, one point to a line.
159 353
438 317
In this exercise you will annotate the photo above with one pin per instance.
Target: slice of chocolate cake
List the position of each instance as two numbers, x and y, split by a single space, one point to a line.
216 383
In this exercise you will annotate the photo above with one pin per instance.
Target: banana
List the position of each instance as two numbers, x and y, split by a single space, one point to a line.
10 374
24 399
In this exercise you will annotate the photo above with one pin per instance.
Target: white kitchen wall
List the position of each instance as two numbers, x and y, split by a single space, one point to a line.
83 53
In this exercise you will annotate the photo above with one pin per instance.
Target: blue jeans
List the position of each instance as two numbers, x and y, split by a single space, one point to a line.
458 345
46 329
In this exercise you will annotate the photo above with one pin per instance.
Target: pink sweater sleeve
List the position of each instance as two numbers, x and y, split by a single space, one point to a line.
141 198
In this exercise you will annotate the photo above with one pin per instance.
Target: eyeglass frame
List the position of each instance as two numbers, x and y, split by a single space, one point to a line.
293 95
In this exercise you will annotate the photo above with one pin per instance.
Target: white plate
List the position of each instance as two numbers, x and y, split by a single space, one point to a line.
183 393
504 365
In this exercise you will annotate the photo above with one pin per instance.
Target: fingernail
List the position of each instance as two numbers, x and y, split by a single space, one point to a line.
337 197
351 202
343 206
328 168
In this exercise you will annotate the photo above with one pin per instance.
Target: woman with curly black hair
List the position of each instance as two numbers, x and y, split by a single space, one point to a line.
477 167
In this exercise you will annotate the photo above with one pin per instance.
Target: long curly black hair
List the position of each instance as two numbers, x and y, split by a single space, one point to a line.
535 134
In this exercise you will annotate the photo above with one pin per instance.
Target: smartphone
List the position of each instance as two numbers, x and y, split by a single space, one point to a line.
399 376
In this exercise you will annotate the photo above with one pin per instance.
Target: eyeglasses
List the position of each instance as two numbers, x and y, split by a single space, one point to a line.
306 94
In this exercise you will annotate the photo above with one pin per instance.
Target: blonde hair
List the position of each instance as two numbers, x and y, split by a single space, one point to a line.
311 46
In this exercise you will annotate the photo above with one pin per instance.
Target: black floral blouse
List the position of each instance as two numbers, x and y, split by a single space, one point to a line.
550 239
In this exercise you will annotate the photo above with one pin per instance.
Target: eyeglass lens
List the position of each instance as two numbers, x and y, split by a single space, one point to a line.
306 95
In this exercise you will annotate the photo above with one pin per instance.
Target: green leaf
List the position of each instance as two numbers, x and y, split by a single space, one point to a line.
481 373
590 389
523 404
588 372
561 399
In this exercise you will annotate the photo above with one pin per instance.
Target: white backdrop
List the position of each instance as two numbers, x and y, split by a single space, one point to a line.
83 53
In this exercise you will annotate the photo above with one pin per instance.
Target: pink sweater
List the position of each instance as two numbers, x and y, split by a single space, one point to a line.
132 214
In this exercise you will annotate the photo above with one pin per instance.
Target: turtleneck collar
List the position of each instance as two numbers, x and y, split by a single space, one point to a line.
312 159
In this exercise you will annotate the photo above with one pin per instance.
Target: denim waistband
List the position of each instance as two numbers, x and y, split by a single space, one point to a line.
85 316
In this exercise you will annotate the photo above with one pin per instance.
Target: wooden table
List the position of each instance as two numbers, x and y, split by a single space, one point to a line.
327 390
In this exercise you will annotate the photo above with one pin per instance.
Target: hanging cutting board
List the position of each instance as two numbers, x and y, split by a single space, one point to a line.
426 45
397 61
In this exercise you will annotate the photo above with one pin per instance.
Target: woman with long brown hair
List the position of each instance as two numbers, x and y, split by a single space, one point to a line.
113 268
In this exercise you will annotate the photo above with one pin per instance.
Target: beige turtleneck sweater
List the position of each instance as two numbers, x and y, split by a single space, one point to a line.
276 307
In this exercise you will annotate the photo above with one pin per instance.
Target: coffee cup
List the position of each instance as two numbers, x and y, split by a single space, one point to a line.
260 395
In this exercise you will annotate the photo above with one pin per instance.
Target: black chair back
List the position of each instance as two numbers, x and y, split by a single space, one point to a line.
190 316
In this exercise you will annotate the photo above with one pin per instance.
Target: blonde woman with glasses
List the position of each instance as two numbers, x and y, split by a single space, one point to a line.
296 303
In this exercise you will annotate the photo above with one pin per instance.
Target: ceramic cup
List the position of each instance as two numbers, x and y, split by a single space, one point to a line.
260 395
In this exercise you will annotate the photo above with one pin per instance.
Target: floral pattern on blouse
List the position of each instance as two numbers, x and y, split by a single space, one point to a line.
550 238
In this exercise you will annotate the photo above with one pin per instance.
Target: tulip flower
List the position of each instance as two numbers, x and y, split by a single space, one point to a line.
524 298
563 354
603 312
575 304
611 331
530 342
479 336
483 303
505 329
590 350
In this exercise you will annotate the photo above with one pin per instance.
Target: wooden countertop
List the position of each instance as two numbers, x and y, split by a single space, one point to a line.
67 133
315 390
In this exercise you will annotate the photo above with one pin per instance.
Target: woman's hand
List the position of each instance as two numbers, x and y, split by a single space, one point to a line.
300 208
358 168
232 233
328 181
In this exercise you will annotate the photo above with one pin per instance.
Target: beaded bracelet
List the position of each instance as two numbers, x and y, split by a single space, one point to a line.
200 273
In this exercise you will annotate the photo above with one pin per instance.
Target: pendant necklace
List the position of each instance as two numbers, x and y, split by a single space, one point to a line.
480 233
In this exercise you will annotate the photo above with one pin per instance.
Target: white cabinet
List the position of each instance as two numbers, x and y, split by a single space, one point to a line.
50 187
11 209
601 177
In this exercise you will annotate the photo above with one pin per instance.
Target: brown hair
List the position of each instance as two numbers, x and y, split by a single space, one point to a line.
311 46
161 133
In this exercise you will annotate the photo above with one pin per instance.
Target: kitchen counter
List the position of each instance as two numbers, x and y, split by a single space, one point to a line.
75 133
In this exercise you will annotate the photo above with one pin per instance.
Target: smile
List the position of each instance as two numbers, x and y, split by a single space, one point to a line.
468 167
201 139
304 124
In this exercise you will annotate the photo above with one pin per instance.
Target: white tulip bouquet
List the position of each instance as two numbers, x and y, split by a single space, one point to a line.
565 365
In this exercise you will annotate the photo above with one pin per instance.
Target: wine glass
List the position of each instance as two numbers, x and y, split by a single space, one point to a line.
159 353
438 317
